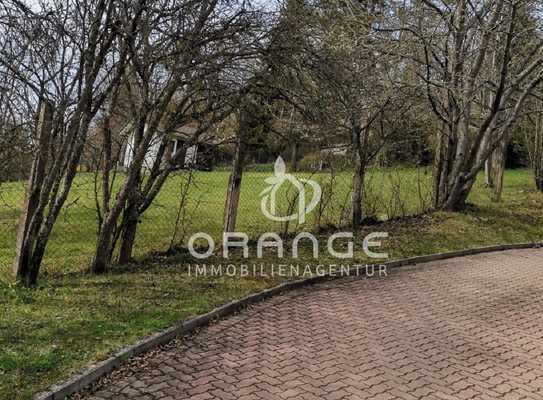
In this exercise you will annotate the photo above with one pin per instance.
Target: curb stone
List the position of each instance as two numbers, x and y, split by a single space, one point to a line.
90 375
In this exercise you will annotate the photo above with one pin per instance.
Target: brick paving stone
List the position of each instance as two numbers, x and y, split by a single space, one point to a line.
465 328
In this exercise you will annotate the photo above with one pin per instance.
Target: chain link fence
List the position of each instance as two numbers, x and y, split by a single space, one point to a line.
193 201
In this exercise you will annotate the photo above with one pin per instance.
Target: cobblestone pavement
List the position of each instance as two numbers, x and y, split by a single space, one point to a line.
465 328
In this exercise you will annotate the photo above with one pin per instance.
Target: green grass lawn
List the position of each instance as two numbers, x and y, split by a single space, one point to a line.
73 319
390 194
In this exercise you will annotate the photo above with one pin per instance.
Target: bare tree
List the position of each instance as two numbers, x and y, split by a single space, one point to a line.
266 82
528 20
453 44
178 74
356 85
65 57
533 138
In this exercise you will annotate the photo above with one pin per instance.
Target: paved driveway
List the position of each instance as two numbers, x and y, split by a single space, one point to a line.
466 328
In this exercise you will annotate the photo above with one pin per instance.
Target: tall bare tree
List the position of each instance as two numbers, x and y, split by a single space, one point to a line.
533 138
180 72
266 81
452 45
357 85
65 57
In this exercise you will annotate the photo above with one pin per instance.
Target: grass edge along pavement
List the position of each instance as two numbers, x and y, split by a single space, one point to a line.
75 320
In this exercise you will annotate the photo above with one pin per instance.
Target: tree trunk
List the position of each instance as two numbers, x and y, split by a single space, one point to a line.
130 218
489 182
457 199
538 152
439 162
35 262
24 269
442 166
487 100
102 255
358 194
234 186
359 161
294 156
498 167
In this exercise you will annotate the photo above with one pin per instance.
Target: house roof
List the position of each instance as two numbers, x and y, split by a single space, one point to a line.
186 131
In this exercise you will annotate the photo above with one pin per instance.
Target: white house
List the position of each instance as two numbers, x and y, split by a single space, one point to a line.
176 140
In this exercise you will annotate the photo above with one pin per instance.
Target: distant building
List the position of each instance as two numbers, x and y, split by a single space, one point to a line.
337 154
196 156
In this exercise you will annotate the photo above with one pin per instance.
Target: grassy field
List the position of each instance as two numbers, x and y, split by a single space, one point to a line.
390 194
73 319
